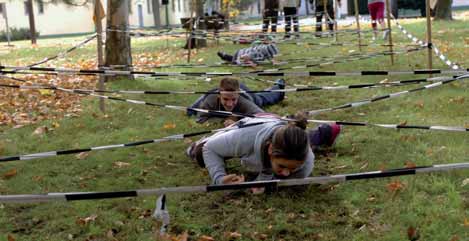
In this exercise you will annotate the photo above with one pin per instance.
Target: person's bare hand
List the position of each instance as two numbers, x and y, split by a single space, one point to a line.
228 122
232 179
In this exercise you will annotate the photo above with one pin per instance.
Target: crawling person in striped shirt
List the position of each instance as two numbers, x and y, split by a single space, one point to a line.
251 56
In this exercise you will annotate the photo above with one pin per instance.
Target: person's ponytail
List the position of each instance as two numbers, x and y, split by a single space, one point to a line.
300 119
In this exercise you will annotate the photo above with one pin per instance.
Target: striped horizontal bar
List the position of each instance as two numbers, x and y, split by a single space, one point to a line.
78 196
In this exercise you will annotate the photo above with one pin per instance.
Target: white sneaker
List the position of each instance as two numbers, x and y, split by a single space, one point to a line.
385 34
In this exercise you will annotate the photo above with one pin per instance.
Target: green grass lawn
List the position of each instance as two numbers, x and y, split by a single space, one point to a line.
436 205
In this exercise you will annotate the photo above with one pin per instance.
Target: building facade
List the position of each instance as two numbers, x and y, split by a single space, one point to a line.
63 19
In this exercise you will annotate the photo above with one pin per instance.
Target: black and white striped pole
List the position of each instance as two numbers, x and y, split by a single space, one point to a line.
273 184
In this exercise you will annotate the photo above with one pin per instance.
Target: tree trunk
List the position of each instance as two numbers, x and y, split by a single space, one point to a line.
199 13
443 10
118 52
156 12
32 23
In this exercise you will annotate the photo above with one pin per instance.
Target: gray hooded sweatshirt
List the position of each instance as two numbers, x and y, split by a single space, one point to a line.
246 143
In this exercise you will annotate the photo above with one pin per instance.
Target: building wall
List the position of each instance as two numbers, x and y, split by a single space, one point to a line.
64 19
56 19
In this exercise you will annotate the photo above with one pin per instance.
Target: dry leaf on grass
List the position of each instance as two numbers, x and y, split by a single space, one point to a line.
465 182
10 237
168 237
205 238
40 130
169 126
466 222
233 235
395 186
85 221
82 155
409 164
413 234
10 174
120 164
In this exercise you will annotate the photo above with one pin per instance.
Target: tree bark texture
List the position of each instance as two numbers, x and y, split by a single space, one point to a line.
443 10
199 13
32 22
156 12
118 49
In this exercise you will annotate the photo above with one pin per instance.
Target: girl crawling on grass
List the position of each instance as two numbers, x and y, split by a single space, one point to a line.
273 148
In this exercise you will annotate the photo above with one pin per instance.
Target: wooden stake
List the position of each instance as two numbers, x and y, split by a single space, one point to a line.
326 18
336 7
388 13
357 18
191 28
99 37
429 34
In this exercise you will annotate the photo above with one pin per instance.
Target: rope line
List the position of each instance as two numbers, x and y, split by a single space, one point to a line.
62 54
273 184
115 146
168 92
414 39
48 70
388 96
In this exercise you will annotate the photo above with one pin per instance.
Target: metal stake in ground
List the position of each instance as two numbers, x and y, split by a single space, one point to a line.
388 14
98 16
358 25
191 29
429 34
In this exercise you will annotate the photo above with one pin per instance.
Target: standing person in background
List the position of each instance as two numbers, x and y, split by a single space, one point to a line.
376 9
290 10
321 11
270 15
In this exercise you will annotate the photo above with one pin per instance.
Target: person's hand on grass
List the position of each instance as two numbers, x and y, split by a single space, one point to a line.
232 179
228 122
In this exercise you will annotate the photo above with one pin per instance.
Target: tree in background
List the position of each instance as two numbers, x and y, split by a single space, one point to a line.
156 12
233 8
118 50
32 23
443 10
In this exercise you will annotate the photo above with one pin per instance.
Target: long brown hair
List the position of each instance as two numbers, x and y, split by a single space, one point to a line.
291 141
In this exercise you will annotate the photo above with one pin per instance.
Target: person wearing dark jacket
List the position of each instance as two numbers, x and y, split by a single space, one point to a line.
243 103
270 15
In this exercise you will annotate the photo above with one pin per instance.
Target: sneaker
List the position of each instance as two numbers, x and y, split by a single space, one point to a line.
281 85
221 55
335 131
190 151
324 136
385 34
195 153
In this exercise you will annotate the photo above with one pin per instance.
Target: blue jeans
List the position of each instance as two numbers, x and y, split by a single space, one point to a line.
260 99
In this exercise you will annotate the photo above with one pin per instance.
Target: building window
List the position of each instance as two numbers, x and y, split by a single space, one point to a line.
179 5
40 6
173 5
2 5
149 6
